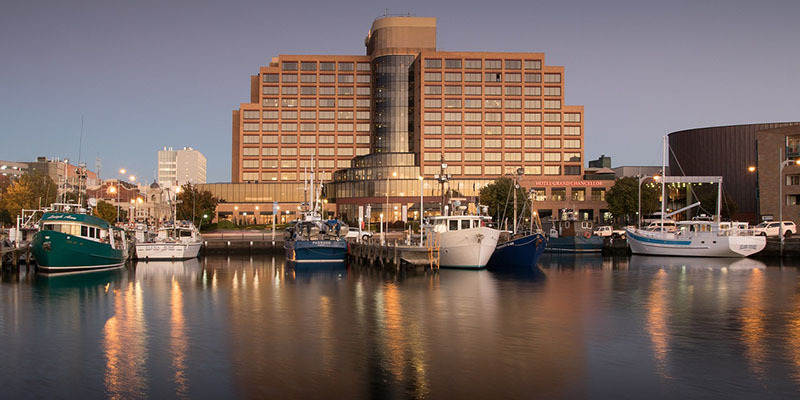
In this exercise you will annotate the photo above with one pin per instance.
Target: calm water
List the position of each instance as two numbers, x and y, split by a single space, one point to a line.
255 328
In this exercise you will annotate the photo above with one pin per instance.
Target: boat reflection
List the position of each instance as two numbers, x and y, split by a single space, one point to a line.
572 260
166 269
305 272
696 263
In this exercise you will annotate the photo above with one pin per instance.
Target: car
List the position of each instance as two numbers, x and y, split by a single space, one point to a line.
608 231
354 234
772 228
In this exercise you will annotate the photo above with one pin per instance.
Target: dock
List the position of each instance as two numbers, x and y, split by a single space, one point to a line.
13 255
242 242
397 253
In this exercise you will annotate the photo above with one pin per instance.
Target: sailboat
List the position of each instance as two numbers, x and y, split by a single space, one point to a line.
311 239
517 250
697 237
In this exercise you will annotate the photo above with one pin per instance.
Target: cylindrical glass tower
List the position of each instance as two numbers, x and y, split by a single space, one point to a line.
391 112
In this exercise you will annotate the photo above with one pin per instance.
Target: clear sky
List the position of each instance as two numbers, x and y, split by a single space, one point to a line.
147 74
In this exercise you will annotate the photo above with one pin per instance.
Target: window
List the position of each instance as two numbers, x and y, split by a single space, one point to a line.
513 64
327 139
493 117
513 130
289 102
433 116
452 103
552 130
362 139
270 139
308 66
363 78
552 144
533 104
292 90
452 130
572 144
327 103
269 176
552 78
270 78
433 63
250 152
305 139
533 64
513 143
250 176
362 115
493 64
473 157
432 156
554 170
433 89
289 114
342 163
572 117
552 104
345 103
289 78
326 127
269 163
345 90
433 103
452 77
493 130
492 144
572 157
534 170
472 64
452 116
452 64
327 66
536 157
572 130
472 117
513 91
492 156
552 91
572 170
308 78
269 151
533 117
533 78
533 144
345 115
344 127
362 128
288 151
363 67
327 78
513 77
452 90
250 126
345 78
269 102
289 164
288 176
552 117
267 90
472 90
513 104
492 170
289 139
344 151
452 143
433 143
513 117
452 156
493 103
326 91
513 156
308 115
250 114
345 66
362 103
433 77
433 130
289 66
472 77
552 157
326 151
308 91
250 139
472 144
533 91
347 139
791 180
472 130
327 115
494 77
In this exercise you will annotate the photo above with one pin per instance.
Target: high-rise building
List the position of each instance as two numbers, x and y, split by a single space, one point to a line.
406 110
177 167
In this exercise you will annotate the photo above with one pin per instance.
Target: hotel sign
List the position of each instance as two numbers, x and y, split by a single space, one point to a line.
570 183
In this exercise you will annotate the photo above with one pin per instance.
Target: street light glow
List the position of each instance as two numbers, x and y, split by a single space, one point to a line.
122 171
751 168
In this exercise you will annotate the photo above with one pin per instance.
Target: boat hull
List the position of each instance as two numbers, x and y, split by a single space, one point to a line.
167 251
696 246
522 252
57 251
467 248
316 251
575 244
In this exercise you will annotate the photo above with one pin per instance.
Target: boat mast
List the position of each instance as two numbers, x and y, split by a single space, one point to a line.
663 182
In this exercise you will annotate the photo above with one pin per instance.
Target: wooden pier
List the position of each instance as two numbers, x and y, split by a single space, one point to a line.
395 253
12 255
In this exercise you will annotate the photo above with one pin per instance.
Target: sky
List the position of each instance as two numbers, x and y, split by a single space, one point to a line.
147 74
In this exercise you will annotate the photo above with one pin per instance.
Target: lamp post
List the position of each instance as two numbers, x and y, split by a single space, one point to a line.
421 207
642 179
394 174
275 212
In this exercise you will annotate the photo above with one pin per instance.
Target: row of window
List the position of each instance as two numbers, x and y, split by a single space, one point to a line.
494 77
505 143
477 116
529 91
323 103
304 127
312 78
499 130
306 114
497 157
294 164
284 176
325 66
312 90
303 152
496 170
457 63
305 139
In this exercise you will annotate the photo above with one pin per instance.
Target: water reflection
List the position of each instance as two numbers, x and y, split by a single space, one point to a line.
657 316
754 321
124 344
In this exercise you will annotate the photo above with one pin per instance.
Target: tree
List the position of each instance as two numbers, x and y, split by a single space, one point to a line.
194 202
106 211
31 191
623 199
497 196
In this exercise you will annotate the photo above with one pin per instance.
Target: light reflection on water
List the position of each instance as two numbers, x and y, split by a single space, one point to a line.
582 326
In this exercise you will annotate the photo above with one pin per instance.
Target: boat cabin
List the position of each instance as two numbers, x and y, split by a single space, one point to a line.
87 227
460 222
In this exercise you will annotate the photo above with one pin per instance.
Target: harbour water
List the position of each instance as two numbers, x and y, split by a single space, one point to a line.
253 327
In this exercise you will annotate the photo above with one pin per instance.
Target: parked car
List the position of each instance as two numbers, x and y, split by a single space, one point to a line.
772 228
608 231
354 233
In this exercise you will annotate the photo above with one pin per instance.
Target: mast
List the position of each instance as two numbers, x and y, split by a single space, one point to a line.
514 193
663 182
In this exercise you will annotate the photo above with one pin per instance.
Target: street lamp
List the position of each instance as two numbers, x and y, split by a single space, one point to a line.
642 179
112 190
394 174
421 206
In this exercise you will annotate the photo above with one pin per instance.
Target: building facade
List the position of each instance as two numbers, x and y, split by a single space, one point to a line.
777 146
394 124
725 151
67 176
177 167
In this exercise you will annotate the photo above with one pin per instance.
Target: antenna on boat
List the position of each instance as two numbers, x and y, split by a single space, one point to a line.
80 142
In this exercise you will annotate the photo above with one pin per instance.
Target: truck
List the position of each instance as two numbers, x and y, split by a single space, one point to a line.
609 231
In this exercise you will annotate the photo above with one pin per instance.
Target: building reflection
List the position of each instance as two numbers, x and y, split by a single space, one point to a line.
178 343
753 323
124 344
793 338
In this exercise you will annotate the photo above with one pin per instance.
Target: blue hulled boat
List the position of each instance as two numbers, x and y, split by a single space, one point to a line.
518 253
573 235
313 240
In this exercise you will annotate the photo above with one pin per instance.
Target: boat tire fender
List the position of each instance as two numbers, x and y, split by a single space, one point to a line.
587 234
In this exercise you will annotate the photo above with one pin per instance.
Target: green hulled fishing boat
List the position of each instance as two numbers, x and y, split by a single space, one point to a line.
70 242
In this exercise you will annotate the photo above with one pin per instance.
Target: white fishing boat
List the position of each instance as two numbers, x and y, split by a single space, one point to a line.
694 238
465 241
173 242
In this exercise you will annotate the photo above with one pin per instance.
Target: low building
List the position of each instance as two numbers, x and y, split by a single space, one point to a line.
777 174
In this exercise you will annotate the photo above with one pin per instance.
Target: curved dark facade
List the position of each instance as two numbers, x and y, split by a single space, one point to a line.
393 99
726 151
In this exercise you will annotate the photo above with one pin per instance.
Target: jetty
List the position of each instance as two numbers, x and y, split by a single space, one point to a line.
397 253
13 255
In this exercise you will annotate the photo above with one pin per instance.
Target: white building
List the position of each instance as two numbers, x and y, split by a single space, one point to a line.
177 167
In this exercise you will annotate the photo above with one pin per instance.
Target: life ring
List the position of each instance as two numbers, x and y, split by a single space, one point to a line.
587 234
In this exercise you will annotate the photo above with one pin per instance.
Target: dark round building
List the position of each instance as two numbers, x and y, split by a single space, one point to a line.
724 151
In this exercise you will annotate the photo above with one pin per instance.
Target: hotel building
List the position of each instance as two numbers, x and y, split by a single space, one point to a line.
375 124
177 167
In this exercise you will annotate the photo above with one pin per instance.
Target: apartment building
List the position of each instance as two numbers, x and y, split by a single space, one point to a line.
177 167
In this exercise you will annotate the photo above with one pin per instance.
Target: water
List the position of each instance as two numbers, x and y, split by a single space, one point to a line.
255 328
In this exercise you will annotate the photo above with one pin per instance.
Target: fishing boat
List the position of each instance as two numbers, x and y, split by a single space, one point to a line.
312 240
696 237
179 241
465 241
517 250
570 234
69 241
